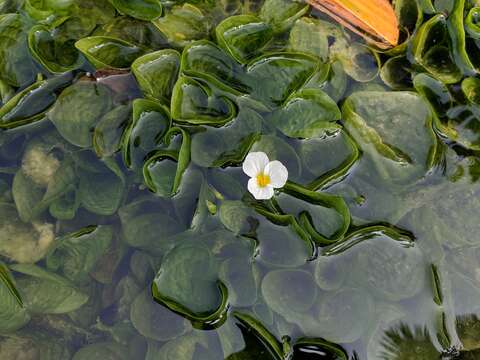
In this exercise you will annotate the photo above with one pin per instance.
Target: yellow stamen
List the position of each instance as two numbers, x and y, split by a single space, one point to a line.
263 180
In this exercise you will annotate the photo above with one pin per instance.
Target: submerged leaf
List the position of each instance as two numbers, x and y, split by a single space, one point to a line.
78 109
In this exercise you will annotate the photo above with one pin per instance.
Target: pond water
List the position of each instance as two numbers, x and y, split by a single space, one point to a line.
126 227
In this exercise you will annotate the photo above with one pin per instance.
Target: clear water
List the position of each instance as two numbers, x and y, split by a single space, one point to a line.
403 281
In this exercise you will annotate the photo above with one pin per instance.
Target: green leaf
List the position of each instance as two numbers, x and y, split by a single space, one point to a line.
227 145
42 10
471 89
207 60
77 254
195 102
281 14
319 346
436 93
471 23
7 281
397 73
47 293
327 159
155 321
241 279
395 130
307 113
456 31
431 49
147 224
28 342
16 65
183 24
309 37
274 77
163 171
78 109
107 137
141 9
243 36
193 346
325 217
31 104
187 283
109 52
151 122
281 241
258 339
384 261
66 206
102 192
157 73
289 291
137 32
54 53
332 79
13 316
102 350
346 325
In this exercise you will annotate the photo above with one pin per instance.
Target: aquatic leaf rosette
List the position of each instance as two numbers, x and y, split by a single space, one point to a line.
129 230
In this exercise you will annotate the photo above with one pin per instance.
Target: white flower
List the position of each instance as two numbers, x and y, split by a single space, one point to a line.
265 175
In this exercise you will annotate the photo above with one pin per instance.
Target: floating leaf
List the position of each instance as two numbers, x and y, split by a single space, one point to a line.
30 105
281 14
157 73
140 33
306 114
243 36
54 53
187 283
194 101
109 52
163 171
151 121
183 24
328 158
227 145
325 217
275 76
141 9
431 49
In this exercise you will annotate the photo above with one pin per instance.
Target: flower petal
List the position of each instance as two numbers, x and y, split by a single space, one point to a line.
255 163
277 172
260 193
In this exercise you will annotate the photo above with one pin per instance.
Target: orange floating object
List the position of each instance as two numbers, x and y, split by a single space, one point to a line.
375 20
